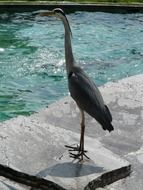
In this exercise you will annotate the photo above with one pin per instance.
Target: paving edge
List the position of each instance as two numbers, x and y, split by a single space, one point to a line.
43 184
109 177
32 181
69 7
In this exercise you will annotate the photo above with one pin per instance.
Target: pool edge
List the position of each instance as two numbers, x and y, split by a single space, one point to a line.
72 7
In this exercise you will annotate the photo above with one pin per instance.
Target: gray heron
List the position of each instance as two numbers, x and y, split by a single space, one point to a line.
82 89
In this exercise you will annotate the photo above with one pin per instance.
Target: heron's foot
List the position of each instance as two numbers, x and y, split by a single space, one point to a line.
80 153
73 148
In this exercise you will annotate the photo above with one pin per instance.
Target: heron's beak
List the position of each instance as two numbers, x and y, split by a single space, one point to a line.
47 13
53 13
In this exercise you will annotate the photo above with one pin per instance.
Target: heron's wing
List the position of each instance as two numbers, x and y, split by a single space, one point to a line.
87 95
108 112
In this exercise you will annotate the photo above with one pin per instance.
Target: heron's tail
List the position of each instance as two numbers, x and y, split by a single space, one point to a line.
108 127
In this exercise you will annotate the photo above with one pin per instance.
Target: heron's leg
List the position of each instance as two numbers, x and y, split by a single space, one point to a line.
82 131
81 151
79 147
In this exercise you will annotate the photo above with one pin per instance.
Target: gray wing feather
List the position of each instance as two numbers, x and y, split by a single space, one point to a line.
87 95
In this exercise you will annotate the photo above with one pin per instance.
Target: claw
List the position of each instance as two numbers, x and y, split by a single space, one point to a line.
80 153
77 156
73 148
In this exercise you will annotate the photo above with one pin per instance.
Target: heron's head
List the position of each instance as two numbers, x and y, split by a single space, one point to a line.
59 13
55 12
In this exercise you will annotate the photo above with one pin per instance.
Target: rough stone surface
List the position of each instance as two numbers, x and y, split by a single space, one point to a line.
125 100
35 144
30 145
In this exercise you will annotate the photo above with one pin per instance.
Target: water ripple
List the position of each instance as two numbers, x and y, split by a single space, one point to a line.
32 67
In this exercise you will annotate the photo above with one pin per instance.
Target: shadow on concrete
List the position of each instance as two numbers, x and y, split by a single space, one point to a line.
69 170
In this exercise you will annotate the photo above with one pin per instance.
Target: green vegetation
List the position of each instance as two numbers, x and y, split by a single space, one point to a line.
81 1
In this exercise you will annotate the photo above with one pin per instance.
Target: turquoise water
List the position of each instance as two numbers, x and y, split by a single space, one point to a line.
32 69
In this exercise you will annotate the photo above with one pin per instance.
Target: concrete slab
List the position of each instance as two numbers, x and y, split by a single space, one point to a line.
34 146
125 100
25 141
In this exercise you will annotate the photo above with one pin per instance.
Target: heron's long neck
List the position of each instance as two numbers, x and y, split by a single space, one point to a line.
68 48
